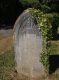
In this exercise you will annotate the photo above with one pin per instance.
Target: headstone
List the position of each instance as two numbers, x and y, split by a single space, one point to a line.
28 46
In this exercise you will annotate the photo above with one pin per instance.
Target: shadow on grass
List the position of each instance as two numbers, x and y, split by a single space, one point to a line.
53 63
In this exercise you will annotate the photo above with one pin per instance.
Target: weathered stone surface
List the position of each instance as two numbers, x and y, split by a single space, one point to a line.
28 46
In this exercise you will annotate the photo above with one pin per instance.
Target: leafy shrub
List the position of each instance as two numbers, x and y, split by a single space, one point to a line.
46 22
54 7
45 8
30 3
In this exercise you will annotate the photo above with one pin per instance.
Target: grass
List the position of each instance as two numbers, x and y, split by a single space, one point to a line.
5 44
55 47
7 65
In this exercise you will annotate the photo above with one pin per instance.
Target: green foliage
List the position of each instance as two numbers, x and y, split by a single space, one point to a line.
54 7
52 4
30 3
45 8
45 23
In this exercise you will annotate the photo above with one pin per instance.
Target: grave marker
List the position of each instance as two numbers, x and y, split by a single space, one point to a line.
28 46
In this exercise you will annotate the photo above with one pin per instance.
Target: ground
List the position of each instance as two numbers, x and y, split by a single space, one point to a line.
7 58
5 40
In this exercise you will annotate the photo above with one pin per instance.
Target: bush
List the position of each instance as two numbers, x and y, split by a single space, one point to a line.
45 8
47 23
44 24
55 7
29 3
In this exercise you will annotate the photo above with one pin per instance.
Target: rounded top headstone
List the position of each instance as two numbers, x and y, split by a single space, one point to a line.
28 46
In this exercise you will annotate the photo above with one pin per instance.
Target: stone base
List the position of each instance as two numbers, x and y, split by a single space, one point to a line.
27 77
31 76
